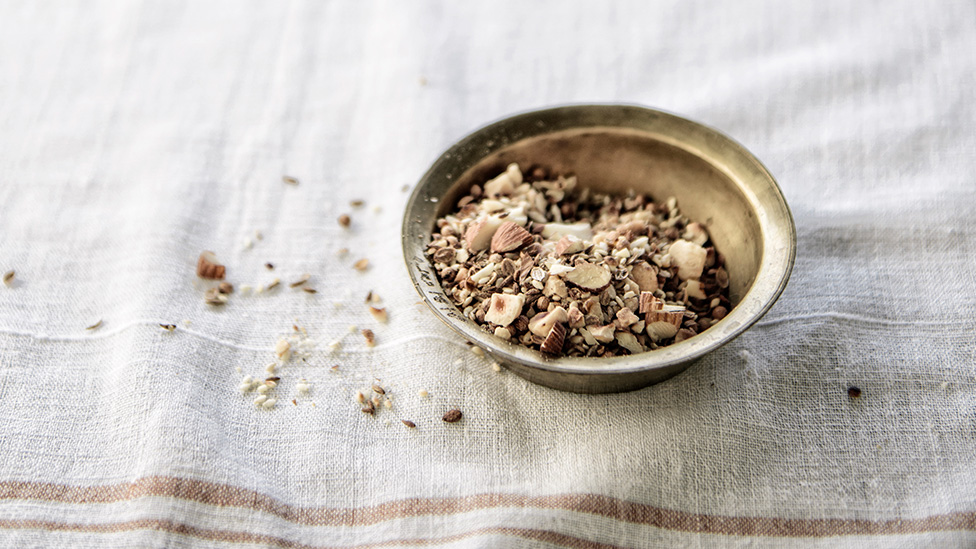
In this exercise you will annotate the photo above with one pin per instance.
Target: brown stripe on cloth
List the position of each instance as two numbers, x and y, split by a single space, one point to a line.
231 536
223 495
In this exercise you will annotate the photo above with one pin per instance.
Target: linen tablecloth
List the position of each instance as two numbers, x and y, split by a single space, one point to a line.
134 135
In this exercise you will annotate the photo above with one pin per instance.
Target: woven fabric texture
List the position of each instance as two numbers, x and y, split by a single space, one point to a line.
135 135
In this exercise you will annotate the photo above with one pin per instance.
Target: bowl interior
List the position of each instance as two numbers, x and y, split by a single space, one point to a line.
617 148
617 160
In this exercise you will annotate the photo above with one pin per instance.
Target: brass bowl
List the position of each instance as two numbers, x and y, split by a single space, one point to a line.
613 148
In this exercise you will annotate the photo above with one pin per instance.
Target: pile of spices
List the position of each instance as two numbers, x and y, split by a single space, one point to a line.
543 261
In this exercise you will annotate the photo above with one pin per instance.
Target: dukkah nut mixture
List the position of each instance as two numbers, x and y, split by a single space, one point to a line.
541 260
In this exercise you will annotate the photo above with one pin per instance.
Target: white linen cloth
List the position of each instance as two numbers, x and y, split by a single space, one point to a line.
135 135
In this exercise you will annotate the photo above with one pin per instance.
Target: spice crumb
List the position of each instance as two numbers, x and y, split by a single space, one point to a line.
301 280
853 392
295 402
225 288
8 277
345 220
361 265
310 290
168 327
269 266
452 416
95 326
377 389
289 180
357 203
409 424
423 393
370 337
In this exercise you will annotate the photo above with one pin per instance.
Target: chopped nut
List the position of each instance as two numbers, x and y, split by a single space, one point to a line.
379 314
8 277
503 333
479 234
445 255
603 334
452 416
575 317
361 265
207 267
689 258
408 423
504 308
555 287
509 237
274 284
590 277
370 337
629 341
377 389
289 180
214 297
853 392
269 266
357 203
168 327
308 290
695 232
345 220
225 288
649 303
694 290
542 323
553 344
626 317
645 276
360 397
569 245
282 350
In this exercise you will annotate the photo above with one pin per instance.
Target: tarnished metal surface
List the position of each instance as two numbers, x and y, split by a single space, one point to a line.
614 148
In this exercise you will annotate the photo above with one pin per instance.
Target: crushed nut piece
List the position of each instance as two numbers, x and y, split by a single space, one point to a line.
379 314
225 288
269 266
377 389
370 337
452 416
8 277
274 284
289 180
207 266
361 265
308 290
214 297
409 424
168 327
345 220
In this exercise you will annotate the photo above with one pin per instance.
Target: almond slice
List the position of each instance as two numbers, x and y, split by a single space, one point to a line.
504 308
569 244
588 276
510 237
207 266
649 303
553 344
542 323
479 233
